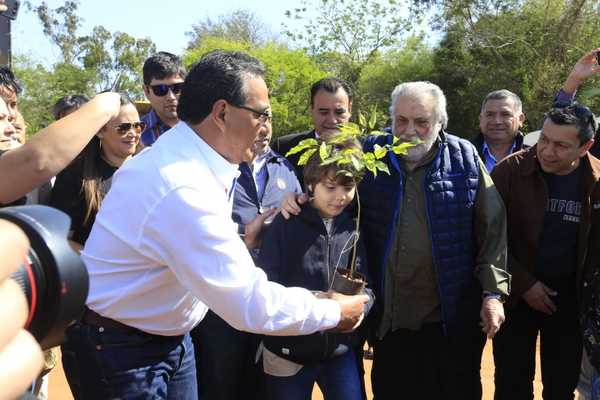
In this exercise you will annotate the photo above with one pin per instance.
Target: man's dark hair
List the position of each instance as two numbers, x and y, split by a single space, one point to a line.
330 85
576 115
7 78
66 103
162 65
218 75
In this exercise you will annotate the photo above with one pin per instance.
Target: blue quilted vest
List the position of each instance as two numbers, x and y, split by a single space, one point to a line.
450 188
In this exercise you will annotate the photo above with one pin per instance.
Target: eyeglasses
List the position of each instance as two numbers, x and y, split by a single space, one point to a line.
263 116
125 127
161 90
580 111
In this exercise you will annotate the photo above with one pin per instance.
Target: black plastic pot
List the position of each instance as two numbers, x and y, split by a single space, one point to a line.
345 283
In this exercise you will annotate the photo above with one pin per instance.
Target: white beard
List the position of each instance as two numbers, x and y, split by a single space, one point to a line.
416 153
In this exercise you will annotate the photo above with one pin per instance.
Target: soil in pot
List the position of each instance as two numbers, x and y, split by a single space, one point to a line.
346 283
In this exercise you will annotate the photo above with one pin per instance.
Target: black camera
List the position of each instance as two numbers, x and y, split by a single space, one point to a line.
53 278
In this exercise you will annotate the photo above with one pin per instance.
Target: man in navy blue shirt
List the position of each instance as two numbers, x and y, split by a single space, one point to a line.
163 78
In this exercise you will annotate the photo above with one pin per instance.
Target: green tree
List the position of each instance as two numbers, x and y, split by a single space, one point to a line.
239 25
344 35
527 47
109 56
414 61
289 76
42 87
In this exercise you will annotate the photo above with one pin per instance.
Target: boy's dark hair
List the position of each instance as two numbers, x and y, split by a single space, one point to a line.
344 174
577 115
218 75
7 78
67 103
330 85
162 65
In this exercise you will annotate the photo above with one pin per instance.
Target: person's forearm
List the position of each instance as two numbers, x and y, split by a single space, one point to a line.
571 85
53 148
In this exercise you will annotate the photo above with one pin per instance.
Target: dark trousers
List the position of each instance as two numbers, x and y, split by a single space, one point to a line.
225 361
101 363
560 350
426 364
337 378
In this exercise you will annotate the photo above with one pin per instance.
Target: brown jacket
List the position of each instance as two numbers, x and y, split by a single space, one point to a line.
519 181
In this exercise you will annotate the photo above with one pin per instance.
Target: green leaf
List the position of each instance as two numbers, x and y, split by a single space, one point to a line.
306 156
371 167
380 165
331 160
304 144
373 119
362 121
379 152
340 137
324 151
358 164
402 148
350 128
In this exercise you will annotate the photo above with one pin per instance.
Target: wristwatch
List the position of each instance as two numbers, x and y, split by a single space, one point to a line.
494 295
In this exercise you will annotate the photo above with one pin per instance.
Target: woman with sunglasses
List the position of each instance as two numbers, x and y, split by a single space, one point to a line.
80 188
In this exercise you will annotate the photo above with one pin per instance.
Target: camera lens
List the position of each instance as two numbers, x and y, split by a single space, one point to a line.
53 278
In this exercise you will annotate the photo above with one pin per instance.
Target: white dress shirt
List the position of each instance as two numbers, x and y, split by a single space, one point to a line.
164 248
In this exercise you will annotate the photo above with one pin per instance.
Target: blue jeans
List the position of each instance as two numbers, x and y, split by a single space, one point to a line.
338 379
101 363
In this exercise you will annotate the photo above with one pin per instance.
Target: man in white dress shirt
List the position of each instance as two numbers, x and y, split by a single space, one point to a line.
164 249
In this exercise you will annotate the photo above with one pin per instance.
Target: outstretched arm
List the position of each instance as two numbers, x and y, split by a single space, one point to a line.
582 70
53 148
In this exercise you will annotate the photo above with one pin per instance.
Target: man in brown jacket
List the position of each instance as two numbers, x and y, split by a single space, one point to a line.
552 199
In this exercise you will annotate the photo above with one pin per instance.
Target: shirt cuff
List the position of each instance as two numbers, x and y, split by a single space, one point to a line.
331 313
564 97
494 280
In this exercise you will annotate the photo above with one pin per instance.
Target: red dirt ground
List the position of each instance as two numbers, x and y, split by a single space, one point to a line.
59 390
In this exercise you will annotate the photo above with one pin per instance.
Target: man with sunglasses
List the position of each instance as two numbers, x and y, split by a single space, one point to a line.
552 196
163 78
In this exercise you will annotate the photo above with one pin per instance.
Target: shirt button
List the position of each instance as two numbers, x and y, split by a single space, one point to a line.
98 347
101 329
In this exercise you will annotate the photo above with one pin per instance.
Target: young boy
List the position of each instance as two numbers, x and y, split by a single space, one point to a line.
305 251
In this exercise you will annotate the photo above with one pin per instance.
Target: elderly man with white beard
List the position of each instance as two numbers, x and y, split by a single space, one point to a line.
435 230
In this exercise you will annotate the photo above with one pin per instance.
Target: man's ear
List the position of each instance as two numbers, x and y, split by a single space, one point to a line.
521 119
218 113
586 147
147 91
350 108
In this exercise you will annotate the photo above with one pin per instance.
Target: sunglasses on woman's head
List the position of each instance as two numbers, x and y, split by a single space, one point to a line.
125 127
162 89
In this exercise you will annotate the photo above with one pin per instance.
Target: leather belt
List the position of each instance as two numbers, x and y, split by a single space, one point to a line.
93 318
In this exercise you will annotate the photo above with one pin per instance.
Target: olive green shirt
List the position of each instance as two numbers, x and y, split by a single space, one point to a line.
411 295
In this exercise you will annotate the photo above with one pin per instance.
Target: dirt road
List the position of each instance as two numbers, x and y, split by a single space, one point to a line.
59 390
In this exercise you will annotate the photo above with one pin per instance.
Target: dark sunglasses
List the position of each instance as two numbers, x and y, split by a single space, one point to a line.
580 111
162 89
125 127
